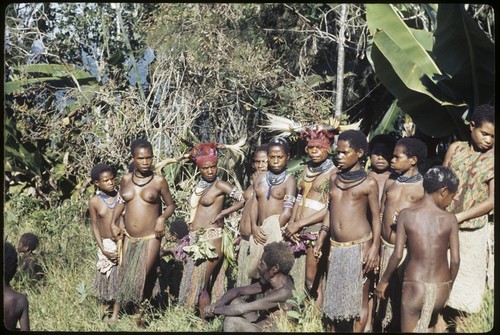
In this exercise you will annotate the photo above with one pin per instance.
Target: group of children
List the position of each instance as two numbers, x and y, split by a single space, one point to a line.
393 250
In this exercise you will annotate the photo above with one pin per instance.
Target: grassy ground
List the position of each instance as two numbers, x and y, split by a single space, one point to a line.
62 302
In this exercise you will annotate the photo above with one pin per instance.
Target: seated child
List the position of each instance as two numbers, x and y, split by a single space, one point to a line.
27 245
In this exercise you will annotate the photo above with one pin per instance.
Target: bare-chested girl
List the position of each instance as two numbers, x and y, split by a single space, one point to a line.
201 275
310 209
354 239
101 207
141 193
259 164
428 231
402 190
273 200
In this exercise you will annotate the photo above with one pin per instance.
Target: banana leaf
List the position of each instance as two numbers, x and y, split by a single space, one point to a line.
466 54
408 71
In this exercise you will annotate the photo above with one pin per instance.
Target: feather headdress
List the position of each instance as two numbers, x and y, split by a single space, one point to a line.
207 152
320 134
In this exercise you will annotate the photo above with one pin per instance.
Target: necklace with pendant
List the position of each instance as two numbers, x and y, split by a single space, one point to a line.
143 184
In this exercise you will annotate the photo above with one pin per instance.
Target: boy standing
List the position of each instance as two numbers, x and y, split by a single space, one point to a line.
101 208
354 239
428 231
402 190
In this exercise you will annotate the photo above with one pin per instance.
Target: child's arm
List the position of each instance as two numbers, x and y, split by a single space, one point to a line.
371 259
288 201
454 249
169 208
235 194
24 321
95 224
396 256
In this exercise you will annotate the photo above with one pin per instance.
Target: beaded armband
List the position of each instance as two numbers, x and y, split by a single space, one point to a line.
120 200
326 229
289 201
236 194
381 216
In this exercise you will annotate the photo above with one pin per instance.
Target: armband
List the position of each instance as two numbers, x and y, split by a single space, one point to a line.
381 216
299 197
236 194
289 201
120 200
326 229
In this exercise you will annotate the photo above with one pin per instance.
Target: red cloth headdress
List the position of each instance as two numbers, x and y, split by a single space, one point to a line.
318 136
203 153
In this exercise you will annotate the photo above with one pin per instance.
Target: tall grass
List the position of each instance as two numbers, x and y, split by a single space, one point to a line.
63 302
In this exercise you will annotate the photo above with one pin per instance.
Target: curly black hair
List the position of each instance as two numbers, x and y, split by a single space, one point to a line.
9 261
483 113
279 253
98 169
356 138
438 177
30 240
140 143
384 139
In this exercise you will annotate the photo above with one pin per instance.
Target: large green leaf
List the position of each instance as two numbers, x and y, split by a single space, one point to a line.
466 54
383 17
59 75
410 74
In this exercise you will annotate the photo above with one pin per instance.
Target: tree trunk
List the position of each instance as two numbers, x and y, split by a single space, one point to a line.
339 93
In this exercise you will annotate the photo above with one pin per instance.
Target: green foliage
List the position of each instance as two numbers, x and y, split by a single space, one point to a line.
483 321
434 86
304 316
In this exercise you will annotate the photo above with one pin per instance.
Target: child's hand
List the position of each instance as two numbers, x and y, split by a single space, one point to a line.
380 289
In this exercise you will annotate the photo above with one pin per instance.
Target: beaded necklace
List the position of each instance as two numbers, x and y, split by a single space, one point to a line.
144 184
104 197
274 179
313 171
352 178
203 186
409 180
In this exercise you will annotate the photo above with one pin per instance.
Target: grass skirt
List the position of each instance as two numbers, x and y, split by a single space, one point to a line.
105 286
242 278
272 228
344 283
387 312
133 277
193 280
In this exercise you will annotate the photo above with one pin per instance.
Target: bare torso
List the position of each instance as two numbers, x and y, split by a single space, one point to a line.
348 214
103 214
210 205
273 205
143 204
397 197
428 237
